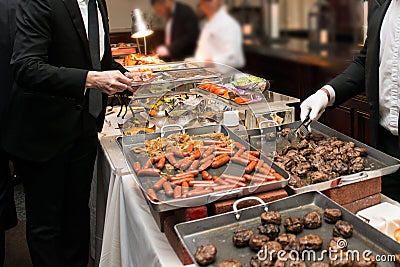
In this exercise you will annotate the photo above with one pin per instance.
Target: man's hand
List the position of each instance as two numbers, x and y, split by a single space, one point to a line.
314 105
162 51
109 82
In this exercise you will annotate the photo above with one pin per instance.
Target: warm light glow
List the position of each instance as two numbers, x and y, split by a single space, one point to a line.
140 28
142 34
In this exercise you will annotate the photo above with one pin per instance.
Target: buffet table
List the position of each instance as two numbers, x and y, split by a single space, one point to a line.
131 236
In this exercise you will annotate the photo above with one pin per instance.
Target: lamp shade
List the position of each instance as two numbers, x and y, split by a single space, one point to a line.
140 28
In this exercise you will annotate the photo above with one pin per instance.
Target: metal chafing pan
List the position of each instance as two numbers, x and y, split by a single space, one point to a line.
218 230
129 142
377 163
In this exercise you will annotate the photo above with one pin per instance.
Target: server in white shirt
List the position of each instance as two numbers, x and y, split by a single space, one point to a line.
376 71
221 39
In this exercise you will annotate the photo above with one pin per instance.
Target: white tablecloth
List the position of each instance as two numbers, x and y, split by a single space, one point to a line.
131 237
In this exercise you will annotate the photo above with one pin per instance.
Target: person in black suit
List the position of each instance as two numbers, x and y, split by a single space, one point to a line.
181 31
375 71
63 71
8 216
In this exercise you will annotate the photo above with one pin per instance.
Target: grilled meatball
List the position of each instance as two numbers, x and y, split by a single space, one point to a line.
332 215
205 254
284 239
364 261
293 225
271 217
340 260
310 242
270 230
319 264
337 244
293 245
273 248
312 220
230 263
343 229
290 263
256 261
241 237
257 241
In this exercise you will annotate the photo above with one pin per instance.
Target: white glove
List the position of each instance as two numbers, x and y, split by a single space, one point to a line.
314 106
162 51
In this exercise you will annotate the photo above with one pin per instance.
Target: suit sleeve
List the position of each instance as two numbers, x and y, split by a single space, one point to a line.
30 58
186 41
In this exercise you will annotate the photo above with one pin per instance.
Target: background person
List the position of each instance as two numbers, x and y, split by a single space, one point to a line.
375 71
221 37
64 70
181 30
8 217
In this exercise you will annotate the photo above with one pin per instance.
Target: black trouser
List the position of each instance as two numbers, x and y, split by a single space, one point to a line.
8 217
57 205
389 144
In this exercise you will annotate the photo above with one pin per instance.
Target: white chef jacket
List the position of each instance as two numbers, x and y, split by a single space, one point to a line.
221 41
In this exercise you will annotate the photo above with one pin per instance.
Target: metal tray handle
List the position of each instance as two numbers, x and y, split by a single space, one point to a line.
349 179
171 126
267 121
235 209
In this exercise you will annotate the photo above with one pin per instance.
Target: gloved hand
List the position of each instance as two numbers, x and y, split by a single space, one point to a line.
314 106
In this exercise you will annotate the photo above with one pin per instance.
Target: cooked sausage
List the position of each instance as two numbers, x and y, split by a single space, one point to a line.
206 175
233 178
239 153
182 180
168 189
221 181
201 182
190 148
179 153
250 167
222 144
208 158
240 160
176 177
260 164
212 142
194 165
223 149
171 159
185 189
248 156
177 192
205 165
199 191
161 163
152 195
185 163
222 187
240 146
195 154
148 164
157 158
254 153
136 166
277 176
149 172
219 153
208 152
194 173
159 184
221 161
263 171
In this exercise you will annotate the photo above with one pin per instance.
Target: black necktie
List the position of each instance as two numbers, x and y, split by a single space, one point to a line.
95 97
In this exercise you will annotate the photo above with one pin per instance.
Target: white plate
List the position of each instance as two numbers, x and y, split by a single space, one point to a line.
385 217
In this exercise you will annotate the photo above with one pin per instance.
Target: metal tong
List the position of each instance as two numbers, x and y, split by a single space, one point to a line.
301 130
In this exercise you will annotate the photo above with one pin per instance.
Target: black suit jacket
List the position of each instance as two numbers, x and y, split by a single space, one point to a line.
7 29
363 74
184 32
48 109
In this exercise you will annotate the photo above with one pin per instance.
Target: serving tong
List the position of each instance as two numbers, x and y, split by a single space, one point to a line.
301 131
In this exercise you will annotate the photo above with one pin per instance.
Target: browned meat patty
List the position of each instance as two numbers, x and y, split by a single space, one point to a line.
310 242
255 261
230 263
206 254
284 239
337 244
293 225
343 229
312 220
271 217
271 230
340 260
365 261
241 237
332 215
319 264
257 241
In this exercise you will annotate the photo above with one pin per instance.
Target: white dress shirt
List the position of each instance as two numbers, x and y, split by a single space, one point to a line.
221 41
83 6
389 70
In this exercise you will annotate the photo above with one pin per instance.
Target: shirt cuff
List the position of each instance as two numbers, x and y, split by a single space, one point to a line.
331 94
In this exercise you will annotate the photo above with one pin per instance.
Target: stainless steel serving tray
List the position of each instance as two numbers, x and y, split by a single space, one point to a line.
218 230
377 162
129 142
